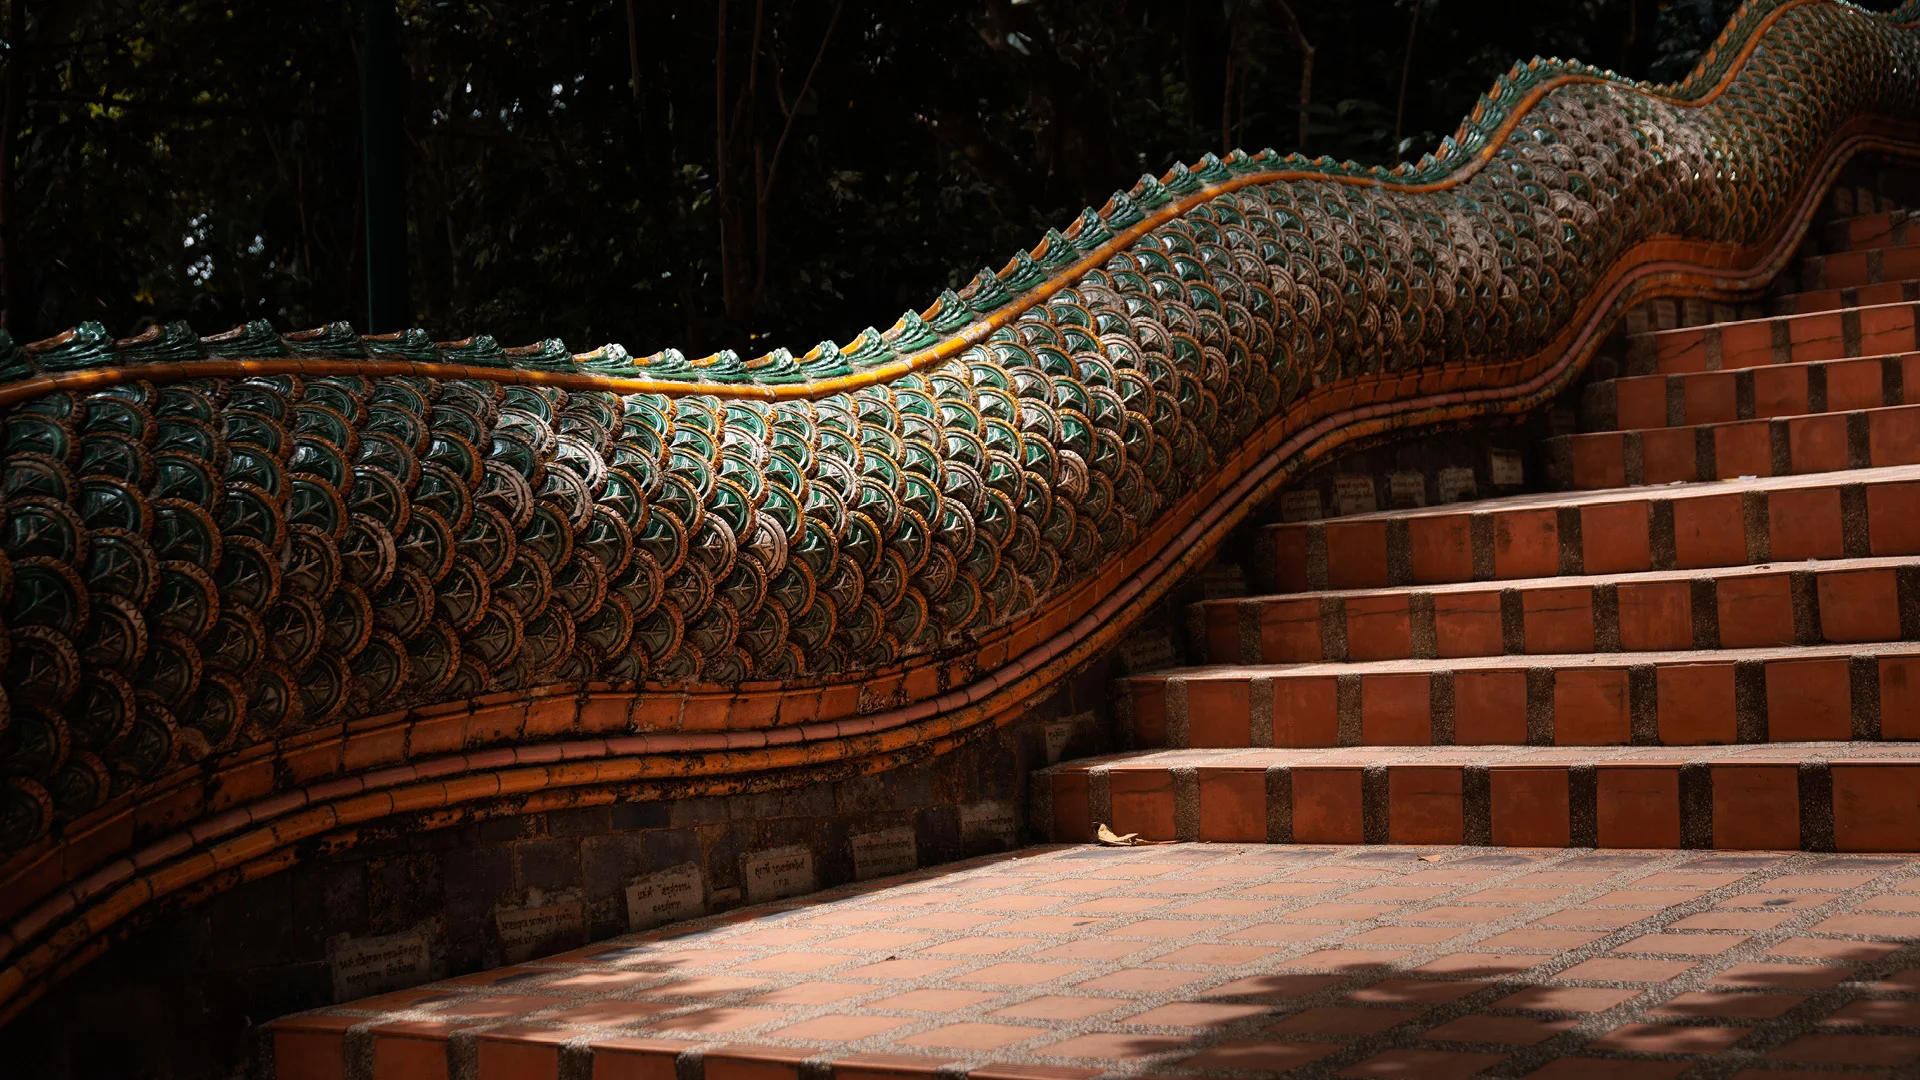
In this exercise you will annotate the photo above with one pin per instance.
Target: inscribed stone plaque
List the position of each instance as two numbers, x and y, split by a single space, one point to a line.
1223 581
880 854
1147 650
1506 469
778 872
1456 483
992 820
678 892
365 966
532 931
1406 489
1301 505
1354 495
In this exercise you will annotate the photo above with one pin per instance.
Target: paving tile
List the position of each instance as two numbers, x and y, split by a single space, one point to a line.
1669 1039
1252 958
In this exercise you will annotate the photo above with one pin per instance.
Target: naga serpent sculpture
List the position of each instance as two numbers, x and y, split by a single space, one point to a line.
264 592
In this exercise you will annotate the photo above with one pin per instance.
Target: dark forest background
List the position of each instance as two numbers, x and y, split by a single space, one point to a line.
695 173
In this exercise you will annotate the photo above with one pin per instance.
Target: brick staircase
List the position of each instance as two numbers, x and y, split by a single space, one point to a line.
1707 636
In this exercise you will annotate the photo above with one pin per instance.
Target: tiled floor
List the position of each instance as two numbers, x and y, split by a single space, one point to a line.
1209 960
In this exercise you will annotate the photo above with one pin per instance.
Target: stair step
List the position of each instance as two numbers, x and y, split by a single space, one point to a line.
1719 397
1785 797
1675 698
1790 445
1833 299
1866 232
1854 514
1878 330
1844 601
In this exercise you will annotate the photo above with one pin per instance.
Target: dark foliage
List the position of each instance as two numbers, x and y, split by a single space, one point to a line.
200 160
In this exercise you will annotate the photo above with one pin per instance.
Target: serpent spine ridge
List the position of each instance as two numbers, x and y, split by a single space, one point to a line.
216 542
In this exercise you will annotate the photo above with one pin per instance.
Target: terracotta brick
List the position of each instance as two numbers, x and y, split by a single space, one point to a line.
1289 557
1614 538
1530 806
1424 805
1804 523
1808 700
1893 436
1817 337
1468 624
1695 704
1378 628
1254 1055
1142 802
634 1059
1305 712
1900 697
1526 543
1490 708
1779 391
1708 532
1072 811
1289 630
1743 449
1817 443
1874 808
1233 806
1396 710
1423 1064
1855 384
1655 615
1441 548
747 1062
1746 344
1639 805
1667 455
1218 712
1326 806
1640 402
1886 329
1858 605
1558 620
1756 807
1669 1039
1356 554
406 1050
1850 1048
1755 610
1148 698
1893 514
519 1052
1709 398
311 1047
1677 351
1223 634
1599 460
1590 707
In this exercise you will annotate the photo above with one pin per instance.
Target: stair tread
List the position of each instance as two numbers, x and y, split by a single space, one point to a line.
1497 755
1528 660
1538 500
1579 581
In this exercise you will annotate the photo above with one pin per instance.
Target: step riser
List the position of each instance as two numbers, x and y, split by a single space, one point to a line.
1723 397
1794 339
1833 605
1793 446
1684 531
1886 229
1853 269
1885 292
1788 806
1870 696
